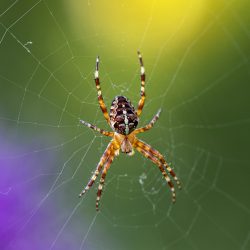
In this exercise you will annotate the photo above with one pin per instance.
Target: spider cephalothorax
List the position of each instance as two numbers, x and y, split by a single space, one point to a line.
123 119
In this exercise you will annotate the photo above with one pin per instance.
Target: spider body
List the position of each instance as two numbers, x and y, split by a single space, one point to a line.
123 118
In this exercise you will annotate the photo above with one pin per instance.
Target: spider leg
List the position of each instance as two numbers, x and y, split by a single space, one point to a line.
143 76
102 180
150 125
158 155
160 166
102 161
99 92
106 133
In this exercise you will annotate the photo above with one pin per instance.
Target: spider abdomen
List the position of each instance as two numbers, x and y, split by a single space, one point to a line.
123 117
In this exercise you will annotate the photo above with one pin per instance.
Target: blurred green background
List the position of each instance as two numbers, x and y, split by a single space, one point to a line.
196 55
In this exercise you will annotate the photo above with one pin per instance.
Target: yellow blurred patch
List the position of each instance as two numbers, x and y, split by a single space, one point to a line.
136 23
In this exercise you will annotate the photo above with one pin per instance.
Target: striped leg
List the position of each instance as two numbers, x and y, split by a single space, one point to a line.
102 180
160 166
99 92
158 155
97 129
102 161
142 100
150 125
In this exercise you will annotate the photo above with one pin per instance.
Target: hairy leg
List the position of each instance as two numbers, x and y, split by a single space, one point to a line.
102 180
158 155
143 76
160 166
103 160
106 133
149 125
99 92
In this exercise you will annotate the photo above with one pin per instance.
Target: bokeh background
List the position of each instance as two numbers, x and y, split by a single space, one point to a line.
196 56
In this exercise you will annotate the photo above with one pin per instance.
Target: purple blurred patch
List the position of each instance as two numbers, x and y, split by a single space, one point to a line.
24 181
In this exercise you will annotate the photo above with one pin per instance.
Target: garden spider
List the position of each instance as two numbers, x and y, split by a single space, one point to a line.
123 119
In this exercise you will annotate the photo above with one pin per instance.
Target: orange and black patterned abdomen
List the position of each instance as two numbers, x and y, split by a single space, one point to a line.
123 117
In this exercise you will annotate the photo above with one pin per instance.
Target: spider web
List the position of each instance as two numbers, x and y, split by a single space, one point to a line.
201 82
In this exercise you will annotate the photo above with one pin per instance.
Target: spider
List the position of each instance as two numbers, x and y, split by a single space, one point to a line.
123 119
